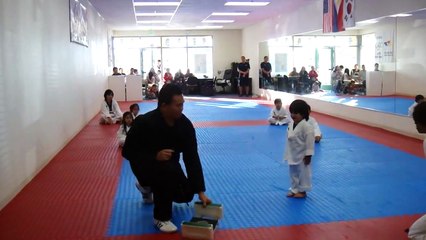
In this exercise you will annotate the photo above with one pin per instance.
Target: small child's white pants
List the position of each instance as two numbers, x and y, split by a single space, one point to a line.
301 177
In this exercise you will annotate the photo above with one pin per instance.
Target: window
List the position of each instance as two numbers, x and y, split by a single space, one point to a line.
175 52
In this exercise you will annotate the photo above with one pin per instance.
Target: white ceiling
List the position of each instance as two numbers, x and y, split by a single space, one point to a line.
120 14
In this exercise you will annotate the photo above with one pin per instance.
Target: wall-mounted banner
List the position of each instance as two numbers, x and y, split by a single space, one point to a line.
385 46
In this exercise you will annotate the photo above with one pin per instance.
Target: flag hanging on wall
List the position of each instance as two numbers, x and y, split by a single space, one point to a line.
349 18
338 14
327 17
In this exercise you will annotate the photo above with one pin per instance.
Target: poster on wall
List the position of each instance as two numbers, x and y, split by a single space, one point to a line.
384 47
78 23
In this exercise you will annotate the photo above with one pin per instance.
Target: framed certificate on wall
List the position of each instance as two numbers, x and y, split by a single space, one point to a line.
78 23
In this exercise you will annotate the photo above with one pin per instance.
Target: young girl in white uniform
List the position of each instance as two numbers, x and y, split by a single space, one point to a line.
417 231
110 111
125 126
299 149
279 115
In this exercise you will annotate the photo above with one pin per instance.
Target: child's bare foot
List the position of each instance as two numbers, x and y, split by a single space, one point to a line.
300 195
290 194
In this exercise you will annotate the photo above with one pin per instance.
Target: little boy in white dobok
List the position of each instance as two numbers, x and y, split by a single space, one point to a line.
417 231
299 149
279 116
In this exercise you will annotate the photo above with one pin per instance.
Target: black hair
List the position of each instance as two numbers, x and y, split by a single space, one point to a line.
167 93
133 106
347 71
107 93
114 68
300 107
309 107
419 114
123 121
277 100
419 98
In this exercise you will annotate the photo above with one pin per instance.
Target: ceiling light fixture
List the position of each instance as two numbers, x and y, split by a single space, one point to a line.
154 14
208 27
402 15
218 21
152 21
250 4
153 4
371 21
230 14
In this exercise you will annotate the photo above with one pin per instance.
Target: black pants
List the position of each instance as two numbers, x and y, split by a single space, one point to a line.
137 169
170 185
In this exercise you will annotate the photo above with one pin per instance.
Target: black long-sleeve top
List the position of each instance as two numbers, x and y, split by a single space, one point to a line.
150 134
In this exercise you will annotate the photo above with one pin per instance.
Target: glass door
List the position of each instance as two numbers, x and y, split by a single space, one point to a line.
149 58
325 64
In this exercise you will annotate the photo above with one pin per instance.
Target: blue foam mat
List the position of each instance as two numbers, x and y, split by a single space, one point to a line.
352 179
217 110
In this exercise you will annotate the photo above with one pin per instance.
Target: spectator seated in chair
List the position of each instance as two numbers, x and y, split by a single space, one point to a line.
152 92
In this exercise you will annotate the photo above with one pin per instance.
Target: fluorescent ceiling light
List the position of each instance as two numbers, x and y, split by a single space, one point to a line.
402 15
154 14
208 27
145 4
230 14
369 21
252 4
153 21
218 21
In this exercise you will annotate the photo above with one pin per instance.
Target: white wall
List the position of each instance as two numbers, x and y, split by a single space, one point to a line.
226 44
49 87
308 19
411 56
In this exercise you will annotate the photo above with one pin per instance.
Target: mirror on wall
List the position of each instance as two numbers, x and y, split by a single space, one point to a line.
377 65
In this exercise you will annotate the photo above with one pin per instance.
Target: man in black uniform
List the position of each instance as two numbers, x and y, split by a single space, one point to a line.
244 69
266 69
153 146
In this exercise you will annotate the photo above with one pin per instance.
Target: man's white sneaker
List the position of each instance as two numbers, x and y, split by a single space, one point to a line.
146 193
165 226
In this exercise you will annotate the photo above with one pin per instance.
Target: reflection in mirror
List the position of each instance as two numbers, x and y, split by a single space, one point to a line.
376 65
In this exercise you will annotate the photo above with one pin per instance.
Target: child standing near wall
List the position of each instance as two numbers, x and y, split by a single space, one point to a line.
125 126
299 149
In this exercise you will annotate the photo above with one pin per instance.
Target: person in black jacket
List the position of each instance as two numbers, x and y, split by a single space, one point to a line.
155 159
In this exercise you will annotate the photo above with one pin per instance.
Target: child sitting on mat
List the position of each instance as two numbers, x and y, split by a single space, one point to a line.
134 109
299 149
279 116
125 126
110 111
